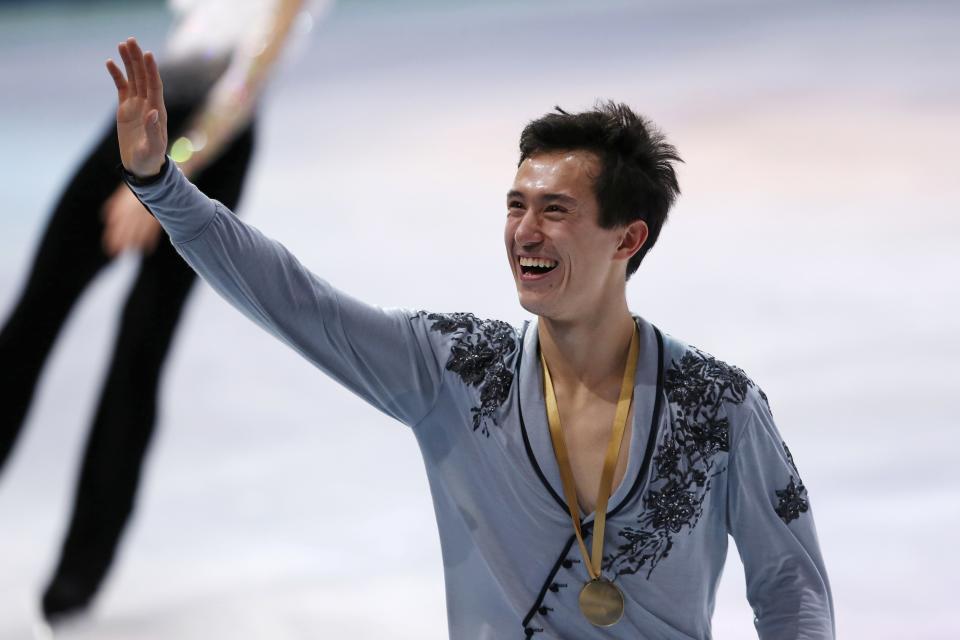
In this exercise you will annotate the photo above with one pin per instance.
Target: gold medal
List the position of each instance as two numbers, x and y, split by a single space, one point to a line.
601 603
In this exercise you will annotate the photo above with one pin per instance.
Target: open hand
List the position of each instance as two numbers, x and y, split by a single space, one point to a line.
127 225
141 116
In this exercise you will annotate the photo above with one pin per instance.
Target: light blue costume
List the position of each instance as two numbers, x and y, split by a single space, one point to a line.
705 459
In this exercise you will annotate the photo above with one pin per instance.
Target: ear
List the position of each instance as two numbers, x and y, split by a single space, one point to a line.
633 237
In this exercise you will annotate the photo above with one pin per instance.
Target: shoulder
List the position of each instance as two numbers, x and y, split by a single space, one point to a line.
486 341
481 354
696 383
468 324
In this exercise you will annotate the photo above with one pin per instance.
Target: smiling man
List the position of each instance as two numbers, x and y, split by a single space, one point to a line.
586 469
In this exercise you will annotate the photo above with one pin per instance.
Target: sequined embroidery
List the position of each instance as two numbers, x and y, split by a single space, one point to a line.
479 356
697 388
792 500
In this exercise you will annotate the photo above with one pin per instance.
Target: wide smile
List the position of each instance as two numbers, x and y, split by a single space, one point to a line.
534 268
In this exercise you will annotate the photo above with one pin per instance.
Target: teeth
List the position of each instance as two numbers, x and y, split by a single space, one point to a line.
537 262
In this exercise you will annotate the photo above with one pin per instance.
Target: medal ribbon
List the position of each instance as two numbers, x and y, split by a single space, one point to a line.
609 463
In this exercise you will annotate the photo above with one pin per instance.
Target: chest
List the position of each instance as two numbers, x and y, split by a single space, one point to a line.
587 424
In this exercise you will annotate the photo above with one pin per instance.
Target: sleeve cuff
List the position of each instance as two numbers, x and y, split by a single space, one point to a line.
173 200
134 181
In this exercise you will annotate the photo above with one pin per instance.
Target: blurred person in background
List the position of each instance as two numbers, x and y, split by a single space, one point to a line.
219 57
510 419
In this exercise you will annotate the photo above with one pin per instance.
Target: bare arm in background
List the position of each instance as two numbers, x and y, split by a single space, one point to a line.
226 111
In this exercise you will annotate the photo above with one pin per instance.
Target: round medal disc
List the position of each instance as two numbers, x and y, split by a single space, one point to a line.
601 602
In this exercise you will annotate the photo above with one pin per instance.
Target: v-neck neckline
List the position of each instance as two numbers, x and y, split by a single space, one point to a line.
647 389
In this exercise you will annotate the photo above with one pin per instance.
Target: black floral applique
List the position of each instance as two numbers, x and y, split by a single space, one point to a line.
479 356
792 500
698 388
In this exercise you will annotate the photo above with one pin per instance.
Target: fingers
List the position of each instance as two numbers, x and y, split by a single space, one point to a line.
128 66
112 225
119 234
118 80
143 231
150 234
152 240
109 241
139 71
154 83
128 226
142 74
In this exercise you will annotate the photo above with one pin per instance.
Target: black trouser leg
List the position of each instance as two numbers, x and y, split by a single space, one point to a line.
121 431
69 256
126 413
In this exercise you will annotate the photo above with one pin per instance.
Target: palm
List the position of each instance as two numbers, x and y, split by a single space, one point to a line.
135 143
141 116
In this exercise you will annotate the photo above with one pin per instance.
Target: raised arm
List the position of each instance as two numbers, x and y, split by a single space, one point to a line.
391 358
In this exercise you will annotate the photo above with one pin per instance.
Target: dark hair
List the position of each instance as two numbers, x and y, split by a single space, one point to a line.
636 180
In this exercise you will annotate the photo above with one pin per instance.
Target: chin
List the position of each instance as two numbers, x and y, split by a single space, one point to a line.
532 308
535 305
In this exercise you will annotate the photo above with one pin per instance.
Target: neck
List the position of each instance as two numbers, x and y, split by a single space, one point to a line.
589 351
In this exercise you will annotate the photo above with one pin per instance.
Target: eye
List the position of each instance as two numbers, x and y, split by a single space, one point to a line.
555 208
513 205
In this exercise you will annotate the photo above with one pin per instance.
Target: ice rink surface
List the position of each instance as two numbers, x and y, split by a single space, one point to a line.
815 246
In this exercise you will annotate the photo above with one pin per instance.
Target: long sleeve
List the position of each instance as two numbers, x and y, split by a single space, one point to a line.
387 357
769 517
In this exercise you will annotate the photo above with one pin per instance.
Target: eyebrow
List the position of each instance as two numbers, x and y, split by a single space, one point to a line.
548 197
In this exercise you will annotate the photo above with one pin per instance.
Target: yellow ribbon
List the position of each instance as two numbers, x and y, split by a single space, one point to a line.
609 463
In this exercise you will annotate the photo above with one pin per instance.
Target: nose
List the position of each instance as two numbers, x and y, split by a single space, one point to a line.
528 232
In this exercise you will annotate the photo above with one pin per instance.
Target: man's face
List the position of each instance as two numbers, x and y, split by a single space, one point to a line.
564 264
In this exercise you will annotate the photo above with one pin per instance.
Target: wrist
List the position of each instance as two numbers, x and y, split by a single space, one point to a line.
142 179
